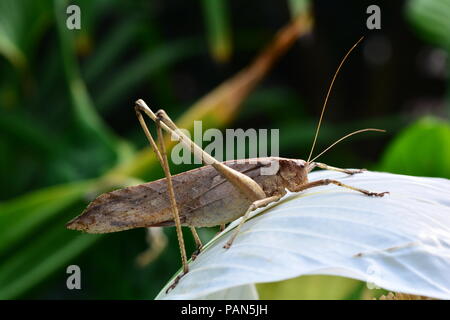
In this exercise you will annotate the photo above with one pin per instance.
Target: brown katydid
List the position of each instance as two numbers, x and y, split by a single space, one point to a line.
212 195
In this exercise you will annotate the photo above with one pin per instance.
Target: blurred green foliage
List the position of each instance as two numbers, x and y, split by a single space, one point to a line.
219 32
312 288
430 19
422 149
68 132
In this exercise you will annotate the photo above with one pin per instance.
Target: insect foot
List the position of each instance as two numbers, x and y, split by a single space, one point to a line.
175 282
376 194
355 171
227 245
195 254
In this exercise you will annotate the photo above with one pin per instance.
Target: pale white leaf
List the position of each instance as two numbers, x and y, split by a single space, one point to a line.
244 292
400 242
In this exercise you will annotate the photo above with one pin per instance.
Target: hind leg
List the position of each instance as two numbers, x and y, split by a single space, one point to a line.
325 182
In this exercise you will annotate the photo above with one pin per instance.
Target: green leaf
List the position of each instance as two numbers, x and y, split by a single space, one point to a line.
431 20
21 23
309 288
421 150
21 128
83 107
19 217
218 29
118 40
42 257
298 6
147 64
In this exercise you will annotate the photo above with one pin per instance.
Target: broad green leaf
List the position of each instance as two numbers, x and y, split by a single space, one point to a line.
21 24
310 288
431 19
422 149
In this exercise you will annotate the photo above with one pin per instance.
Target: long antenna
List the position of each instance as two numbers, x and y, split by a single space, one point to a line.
345 137
328 95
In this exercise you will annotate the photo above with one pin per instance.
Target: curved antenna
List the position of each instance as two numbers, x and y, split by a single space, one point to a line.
345 137
328 95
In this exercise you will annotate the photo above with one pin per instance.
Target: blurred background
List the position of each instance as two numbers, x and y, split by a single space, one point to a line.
68 131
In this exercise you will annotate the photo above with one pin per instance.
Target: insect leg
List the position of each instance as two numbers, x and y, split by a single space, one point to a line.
176 216
149 136
324 182
243 183
162 157
255 205
198 243
347 171
157 241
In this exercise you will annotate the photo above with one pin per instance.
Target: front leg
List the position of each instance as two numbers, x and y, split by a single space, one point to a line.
347 171
324 182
